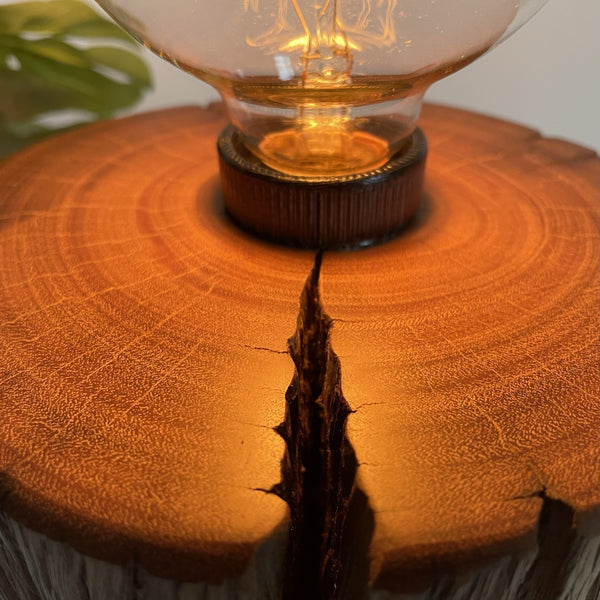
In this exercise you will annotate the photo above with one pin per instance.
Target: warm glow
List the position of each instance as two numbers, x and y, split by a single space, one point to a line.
328 145
327 26
333 40
323 140
357 69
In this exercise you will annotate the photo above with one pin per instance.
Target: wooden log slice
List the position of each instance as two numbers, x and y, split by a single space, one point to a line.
144 363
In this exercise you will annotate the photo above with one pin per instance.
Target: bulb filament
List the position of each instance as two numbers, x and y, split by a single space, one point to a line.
324 136
326 42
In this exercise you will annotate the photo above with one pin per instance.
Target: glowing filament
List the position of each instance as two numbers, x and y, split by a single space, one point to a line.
327 42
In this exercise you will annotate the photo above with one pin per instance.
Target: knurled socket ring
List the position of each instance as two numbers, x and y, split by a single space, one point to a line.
321 212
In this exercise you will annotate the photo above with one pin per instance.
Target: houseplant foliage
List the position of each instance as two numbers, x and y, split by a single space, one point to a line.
60 55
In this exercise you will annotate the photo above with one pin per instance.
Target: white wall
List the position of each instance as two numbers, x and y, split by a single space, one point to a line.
546 76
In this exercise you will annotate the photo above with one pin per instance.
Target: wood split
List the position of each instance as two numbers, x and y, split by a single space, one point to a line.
330 519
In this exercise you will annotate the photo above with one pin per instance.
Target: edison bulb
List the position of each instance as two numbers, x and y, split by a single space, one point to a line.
321 86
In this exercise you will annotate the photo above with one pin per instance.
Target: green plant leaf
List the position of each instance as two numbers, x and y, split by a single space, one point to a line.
97 28
25 96
47 17
120 61
50 48
89 89
48 63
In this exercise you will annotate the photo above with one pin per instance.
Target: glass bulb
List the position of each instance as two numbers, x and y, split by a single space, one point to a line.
321 87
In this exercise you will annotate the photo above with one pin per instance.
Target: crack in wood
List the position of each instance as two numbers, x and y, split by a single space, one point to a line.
331 523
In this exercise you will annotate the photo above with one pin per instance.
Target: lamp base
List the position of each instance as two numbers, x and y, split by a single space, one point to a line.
144 367
321 212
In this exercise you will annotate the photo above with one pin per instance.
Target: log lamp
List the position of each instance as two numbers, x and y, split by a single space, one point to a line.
189 410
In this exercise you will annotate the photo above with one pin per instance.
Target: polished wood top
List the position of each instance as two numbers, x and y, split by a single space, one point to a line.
143 349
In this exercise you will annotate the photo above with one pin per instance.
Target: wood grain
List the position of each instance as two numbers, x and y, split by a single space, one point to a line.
143 350
143 360
469 350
